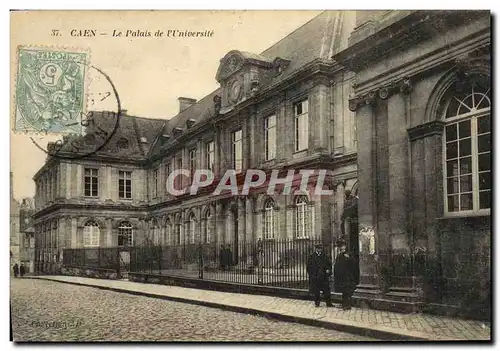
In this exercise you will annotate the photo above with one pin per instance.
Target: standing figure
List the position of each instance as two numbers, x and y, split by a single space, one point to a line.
229 257
345 276
319 268
22 270
16 270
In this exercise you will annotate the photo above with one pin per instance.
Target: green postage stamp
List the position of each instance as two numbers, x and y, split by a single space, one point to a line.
50 90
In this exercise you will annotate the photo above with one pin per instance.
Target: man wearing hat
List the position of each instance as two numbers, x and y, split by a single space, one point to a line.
319 268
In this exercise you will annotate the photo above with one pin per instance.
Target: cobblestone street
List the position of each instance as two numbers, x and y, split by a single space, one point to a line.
49 311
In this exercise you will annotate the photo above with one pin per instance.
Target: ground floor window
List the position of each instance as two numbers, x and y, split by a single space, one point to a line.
125 234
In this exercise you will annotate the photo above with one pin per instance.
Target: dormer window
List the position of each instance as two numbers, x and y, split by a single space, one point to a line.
280 65
177 131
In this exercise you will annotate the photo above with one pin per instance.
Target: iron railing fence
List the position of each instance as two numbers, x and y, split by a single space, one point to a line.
98 257
271 262
282 263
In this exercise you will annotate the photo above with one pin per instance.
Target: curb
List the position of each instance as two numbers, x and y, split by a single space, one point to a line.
383 333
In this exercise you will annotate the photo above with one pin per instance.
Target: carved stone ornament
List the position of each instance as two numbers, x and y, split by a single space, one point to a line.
229 65
235 90
405 86
370 98
383 93
353 105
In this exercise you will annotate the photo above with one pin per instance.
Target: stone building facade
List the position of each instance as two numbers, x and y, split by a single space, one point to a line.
395 105
284 109
422 100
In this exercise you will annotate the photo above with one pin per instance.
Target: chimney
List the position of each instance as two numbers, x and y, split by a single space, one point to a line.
185 102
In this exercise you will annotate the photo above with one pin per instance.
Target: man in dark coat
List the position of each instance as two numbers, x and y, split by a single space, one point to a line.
345 276
22 270
16 270
319 269
229 257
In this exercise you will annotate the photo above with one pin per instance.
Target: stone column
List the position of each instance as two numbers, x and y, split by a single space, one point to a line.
109 232
367 198
78 180
74 233
199 225
68 181
252 140
319 118
217 150
249 225
398 173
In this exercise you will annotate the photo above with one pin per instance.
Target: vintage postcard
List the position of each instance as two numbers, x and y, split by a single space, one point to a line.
250 175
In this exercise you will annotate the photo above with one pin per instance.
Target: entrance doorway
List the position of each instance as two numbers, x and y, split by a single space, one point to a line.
350 227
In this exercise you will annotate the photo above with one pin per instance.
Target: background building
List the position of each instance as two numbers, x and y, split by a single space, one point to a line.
27 234
14 227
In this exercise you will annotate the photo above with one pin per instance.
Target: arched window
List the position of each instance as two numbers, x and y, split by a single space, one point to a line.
303 221
168 232
207 226
125 234
269 220
192 228
178 230
91 234
465 109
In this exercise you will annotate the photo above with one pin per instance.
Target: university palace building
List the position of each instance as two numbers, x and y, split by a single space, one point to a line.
394 105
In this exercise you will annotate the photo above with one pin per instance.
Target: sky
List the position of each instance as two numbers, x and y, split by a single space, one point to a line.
149 73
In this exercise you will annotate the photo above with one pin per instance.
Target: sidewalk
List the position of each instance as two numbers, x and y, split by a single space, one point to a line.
373 323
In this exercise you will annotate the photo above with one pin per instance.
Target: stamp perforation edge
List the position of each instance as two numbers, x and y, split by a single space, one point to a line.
87 80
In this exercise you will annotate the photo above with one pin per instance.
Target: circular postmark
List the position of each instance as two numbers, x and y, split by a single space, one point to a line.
59 95
97 126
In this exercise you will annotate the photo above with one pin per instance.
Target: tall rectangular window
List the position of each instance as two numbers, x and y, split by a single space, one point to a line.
210 155
155 182
124 185
468 164
301 114
192 164
270 137
91 186
178 179
168 170
237 150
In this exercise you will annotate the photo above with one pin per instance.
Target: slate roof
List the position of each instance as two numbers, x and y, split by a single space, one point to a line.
320 38
130 128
